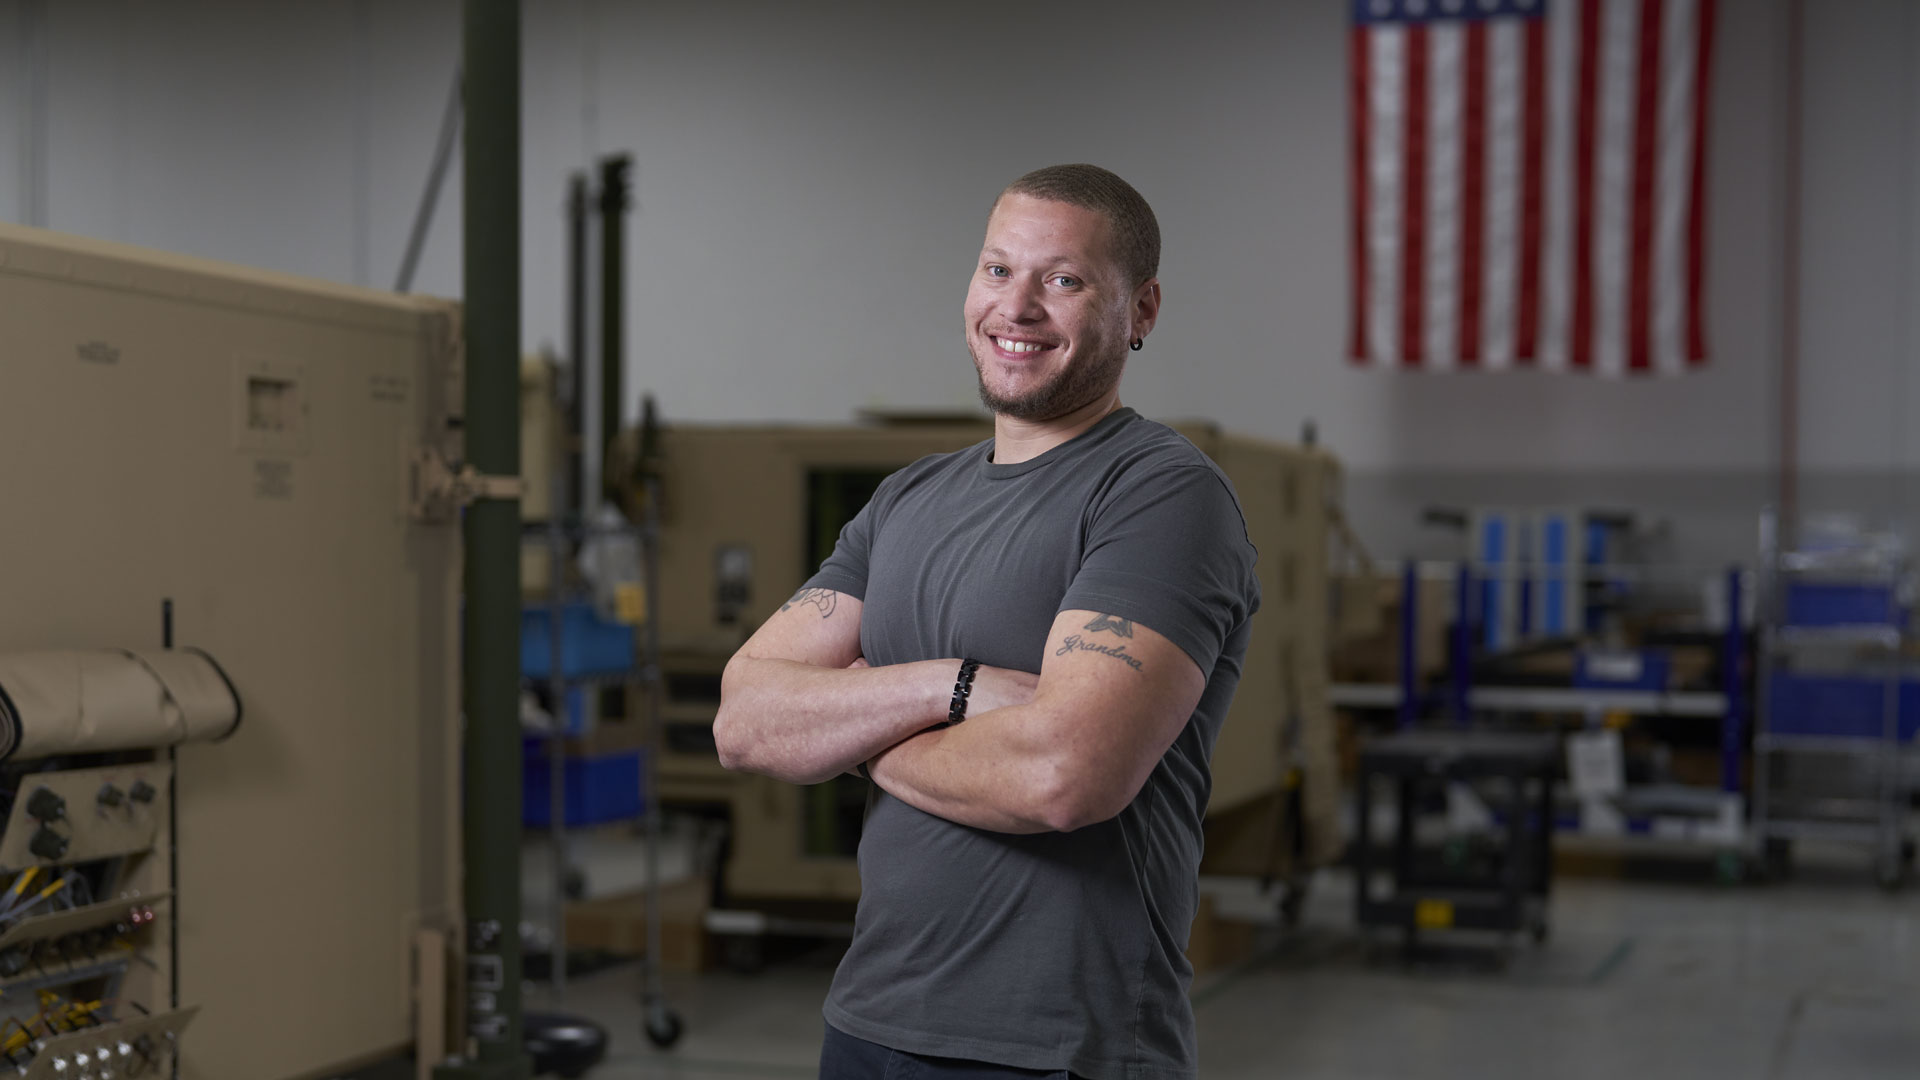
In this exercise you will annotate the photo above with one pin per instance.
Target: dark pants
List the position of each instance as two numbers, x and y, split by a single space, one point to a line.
843 1057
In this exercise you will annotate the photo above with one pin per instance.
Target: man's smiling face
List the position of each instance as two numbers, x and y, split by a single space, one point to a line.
1048 311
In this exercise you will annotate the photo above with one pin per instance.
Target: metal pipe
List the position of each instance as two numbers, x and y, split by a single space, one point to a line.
436 179
653 996
574 444
1732 684
1787 492
490 660
1461 668
614 200
558 693
1410 644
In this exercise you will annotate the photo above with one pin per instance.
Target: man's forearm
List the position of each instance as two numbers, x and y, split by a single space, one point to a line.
803 724
989 772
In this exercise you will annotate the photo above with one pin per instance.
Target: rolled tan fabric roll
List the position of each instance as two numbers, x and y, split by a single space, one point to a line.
85 701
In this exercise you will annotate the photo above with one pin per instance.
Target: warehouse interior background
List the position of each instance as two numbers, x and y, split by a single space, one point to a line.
809 186
808 182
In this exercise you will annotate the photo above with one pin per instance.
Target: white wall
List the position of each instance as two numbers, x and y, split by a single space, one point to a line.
1858 283
812 179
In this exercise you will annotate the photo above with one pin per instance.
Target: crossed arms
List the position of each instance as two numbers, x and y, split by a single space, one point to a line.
1054 752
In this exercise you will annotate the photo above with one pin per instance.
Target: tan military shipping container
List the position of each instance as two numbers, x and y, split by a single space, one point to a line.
237 443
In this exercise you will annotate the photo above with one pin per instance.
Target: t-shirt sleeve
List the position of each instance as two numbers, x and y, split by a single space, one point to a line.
1169 550
845 571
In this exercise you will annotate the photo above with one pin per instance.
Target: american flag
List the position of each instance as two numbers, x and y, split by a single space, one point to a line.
1527 183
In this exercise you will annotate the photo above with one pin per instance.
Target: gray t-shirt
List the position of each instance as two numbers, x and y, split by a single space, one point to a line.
1055 950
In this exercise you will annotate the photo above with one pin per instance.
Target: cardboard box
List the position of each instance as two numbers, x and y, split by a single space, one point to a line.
1369 649
618 924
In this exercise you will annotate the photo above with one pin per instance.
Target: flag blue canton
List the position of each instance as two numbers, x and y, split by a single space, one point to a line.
1374 12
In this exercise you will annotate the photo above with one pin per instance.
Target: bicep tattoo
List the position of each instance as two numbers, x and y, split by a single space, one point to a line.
1103 623
824 600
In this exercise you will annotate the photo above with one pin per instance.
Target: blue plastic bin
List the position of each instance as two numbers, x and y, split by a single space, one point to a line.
1818 603
576 723
601 788
1839 706
590 644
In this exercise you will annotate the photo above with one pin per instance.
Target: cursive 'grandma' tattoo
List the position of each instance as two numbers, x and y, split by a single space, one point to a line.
825 600
1076 643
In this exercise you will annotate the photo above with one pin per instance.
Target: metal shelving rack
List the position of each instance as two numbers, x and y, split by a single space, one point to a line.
579 482
1833 680
1706 817
564 530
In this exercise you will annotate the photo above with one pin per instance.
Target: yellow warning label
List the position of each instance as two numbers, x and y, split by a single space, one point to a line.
1433 914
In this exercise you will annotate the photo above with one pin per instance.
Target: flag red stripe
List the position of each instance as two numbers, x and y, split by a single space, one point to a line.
1542 322
1361 106
1646 124
1473 151
1696 196
1413 254
1586 124
1533 112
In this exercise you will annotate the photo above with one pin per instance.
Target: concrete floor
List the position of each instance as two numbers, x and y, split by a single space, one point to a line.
1813 979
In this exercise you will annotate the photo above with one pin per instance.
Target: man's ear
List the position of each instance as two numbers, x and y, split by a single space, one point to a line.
1146 308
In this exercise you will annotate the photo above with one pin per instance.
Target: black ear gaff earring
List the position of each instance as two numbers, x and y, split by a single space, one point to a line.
1137 343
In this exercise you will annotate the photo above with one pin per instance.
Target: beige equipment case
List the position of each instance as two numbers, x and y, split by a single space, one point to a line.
735 544
243 444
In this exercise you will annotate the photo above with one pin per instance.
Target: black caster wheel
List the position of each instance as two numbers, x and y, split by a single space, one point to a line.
663 1026
564 1046
1539 932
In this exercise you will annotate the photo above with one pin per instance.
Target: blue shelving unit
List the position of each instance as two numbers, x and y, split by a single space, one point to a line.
1713 816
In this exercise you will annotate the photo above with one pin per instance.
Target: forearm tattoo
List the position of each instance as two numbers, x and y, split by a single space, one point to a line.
1103 624
824 600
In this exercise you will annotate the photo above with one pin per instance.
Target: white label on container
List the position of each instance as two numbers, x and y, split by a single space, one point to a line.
1593 764
1618 667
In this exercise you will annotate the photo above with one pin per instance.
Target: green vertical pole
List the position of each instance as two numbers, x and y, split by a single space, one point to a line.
614 200
490 660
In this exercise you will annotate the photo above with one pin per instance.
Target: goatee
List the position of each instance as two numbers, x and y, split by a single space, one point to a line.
1068 390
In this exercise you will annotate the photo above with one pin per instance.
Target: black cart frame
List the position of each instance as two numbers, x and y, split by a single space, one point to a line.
1513 897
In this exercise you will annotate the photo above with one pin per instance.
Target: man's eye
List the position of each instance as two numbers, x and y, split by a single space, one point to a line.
1065 281
996 271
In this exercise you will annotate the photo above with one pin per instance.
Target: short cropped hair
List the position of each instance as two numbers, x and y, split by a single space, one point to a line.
1136 234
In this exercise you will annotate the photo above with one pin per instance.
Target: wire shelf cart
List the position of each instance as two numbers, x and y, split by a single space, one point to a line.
1838 707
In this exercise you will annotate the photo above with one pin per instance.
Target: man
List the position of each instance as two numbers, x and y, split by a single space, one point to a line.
1028 868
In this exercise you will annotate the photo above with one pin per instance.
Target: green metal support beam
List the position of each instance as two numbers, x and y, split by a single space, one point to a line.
615 198
490 662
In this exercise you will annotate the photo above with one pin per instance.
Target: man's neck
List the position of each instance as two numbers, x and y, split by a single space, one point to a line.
1015 441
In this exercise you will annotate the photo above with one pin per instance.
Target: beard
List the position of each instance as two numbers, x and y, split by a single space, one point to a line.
1070 388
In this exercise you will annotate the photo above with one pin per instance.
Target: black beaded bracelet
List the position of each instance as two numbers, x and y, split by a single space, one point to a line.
962 690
